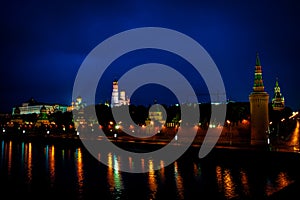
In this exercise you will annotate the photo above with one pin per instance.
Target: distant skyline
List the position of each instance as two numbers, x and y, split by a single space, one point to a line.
43 44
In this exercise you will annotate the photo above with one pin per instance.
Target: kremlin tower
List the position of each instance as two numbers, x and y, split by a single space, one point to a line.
115 94
259 100
278 99
118 99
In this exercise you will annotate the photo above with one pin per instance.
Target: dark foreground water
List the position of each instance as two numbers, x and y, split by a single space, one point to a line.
63 170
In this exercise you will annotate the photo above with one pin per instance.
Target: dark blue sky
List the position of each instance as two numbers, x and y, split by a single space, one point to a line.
43 44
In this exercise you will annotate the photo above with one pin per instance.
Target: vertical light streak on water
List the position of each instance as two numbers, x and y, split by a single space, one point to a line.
245 182
179 181
63 154
162 171
80 171
9 161
99 157
229 185
29 163
2 152
22 153
143 164
225 183
114 177
152 180
282 180
110 176
219 177
52 165
117 175
46 153
197 170
130 163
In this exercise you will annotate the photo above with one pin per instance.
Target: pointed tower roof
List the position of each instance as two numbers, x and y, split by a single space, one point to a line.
278 99
257 63
276 84
258 80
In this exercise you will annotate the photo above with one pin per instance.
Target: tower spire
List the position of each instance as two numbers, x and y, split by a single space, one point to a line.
257 63
278 99
258 80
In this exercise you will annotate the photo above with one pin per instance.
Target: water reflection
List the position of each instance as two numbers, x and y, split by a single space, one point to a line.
50 162
2 151
229 185
197 170
28 160
152 180
79 169
282 180
245 182
225 182
113 176
130 163
9 157
179 181
143 164
162 171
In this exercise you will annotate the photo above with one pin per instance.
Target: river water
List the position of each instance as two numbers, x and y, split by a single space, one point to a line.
49 170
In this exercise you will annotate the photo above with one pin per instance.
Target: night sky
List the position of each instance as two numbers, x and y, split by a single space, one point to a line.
43 44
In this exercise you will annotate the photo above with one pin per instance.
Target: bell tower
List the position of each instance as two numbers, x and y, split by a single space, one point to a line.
115 94
259 110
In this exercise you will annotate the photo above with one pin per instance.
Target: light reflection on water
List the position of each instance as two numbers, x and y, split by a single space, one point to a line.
282 180
50 162
245 182
179 181
79 170
232 183
114 177
28 160
152 180
9 157
225 182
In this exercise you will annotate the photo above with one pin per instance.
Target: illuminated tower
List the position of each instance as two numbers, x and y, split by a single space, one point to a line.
122 96
115 94
278 99
259 100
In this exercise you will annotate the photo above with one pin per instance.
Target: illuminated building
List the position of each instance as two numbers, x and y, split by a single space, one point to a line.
43 117
259 100
156 114
116 98
278 99
77 104
16 118
115 94
32 106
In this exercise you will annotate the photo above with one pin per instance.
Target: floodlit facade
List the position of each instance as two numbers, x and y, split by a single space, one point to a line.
32 106
118 99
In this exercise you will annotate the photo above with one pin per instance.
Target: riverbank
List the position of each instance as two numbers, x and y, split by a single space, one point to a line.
152 144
